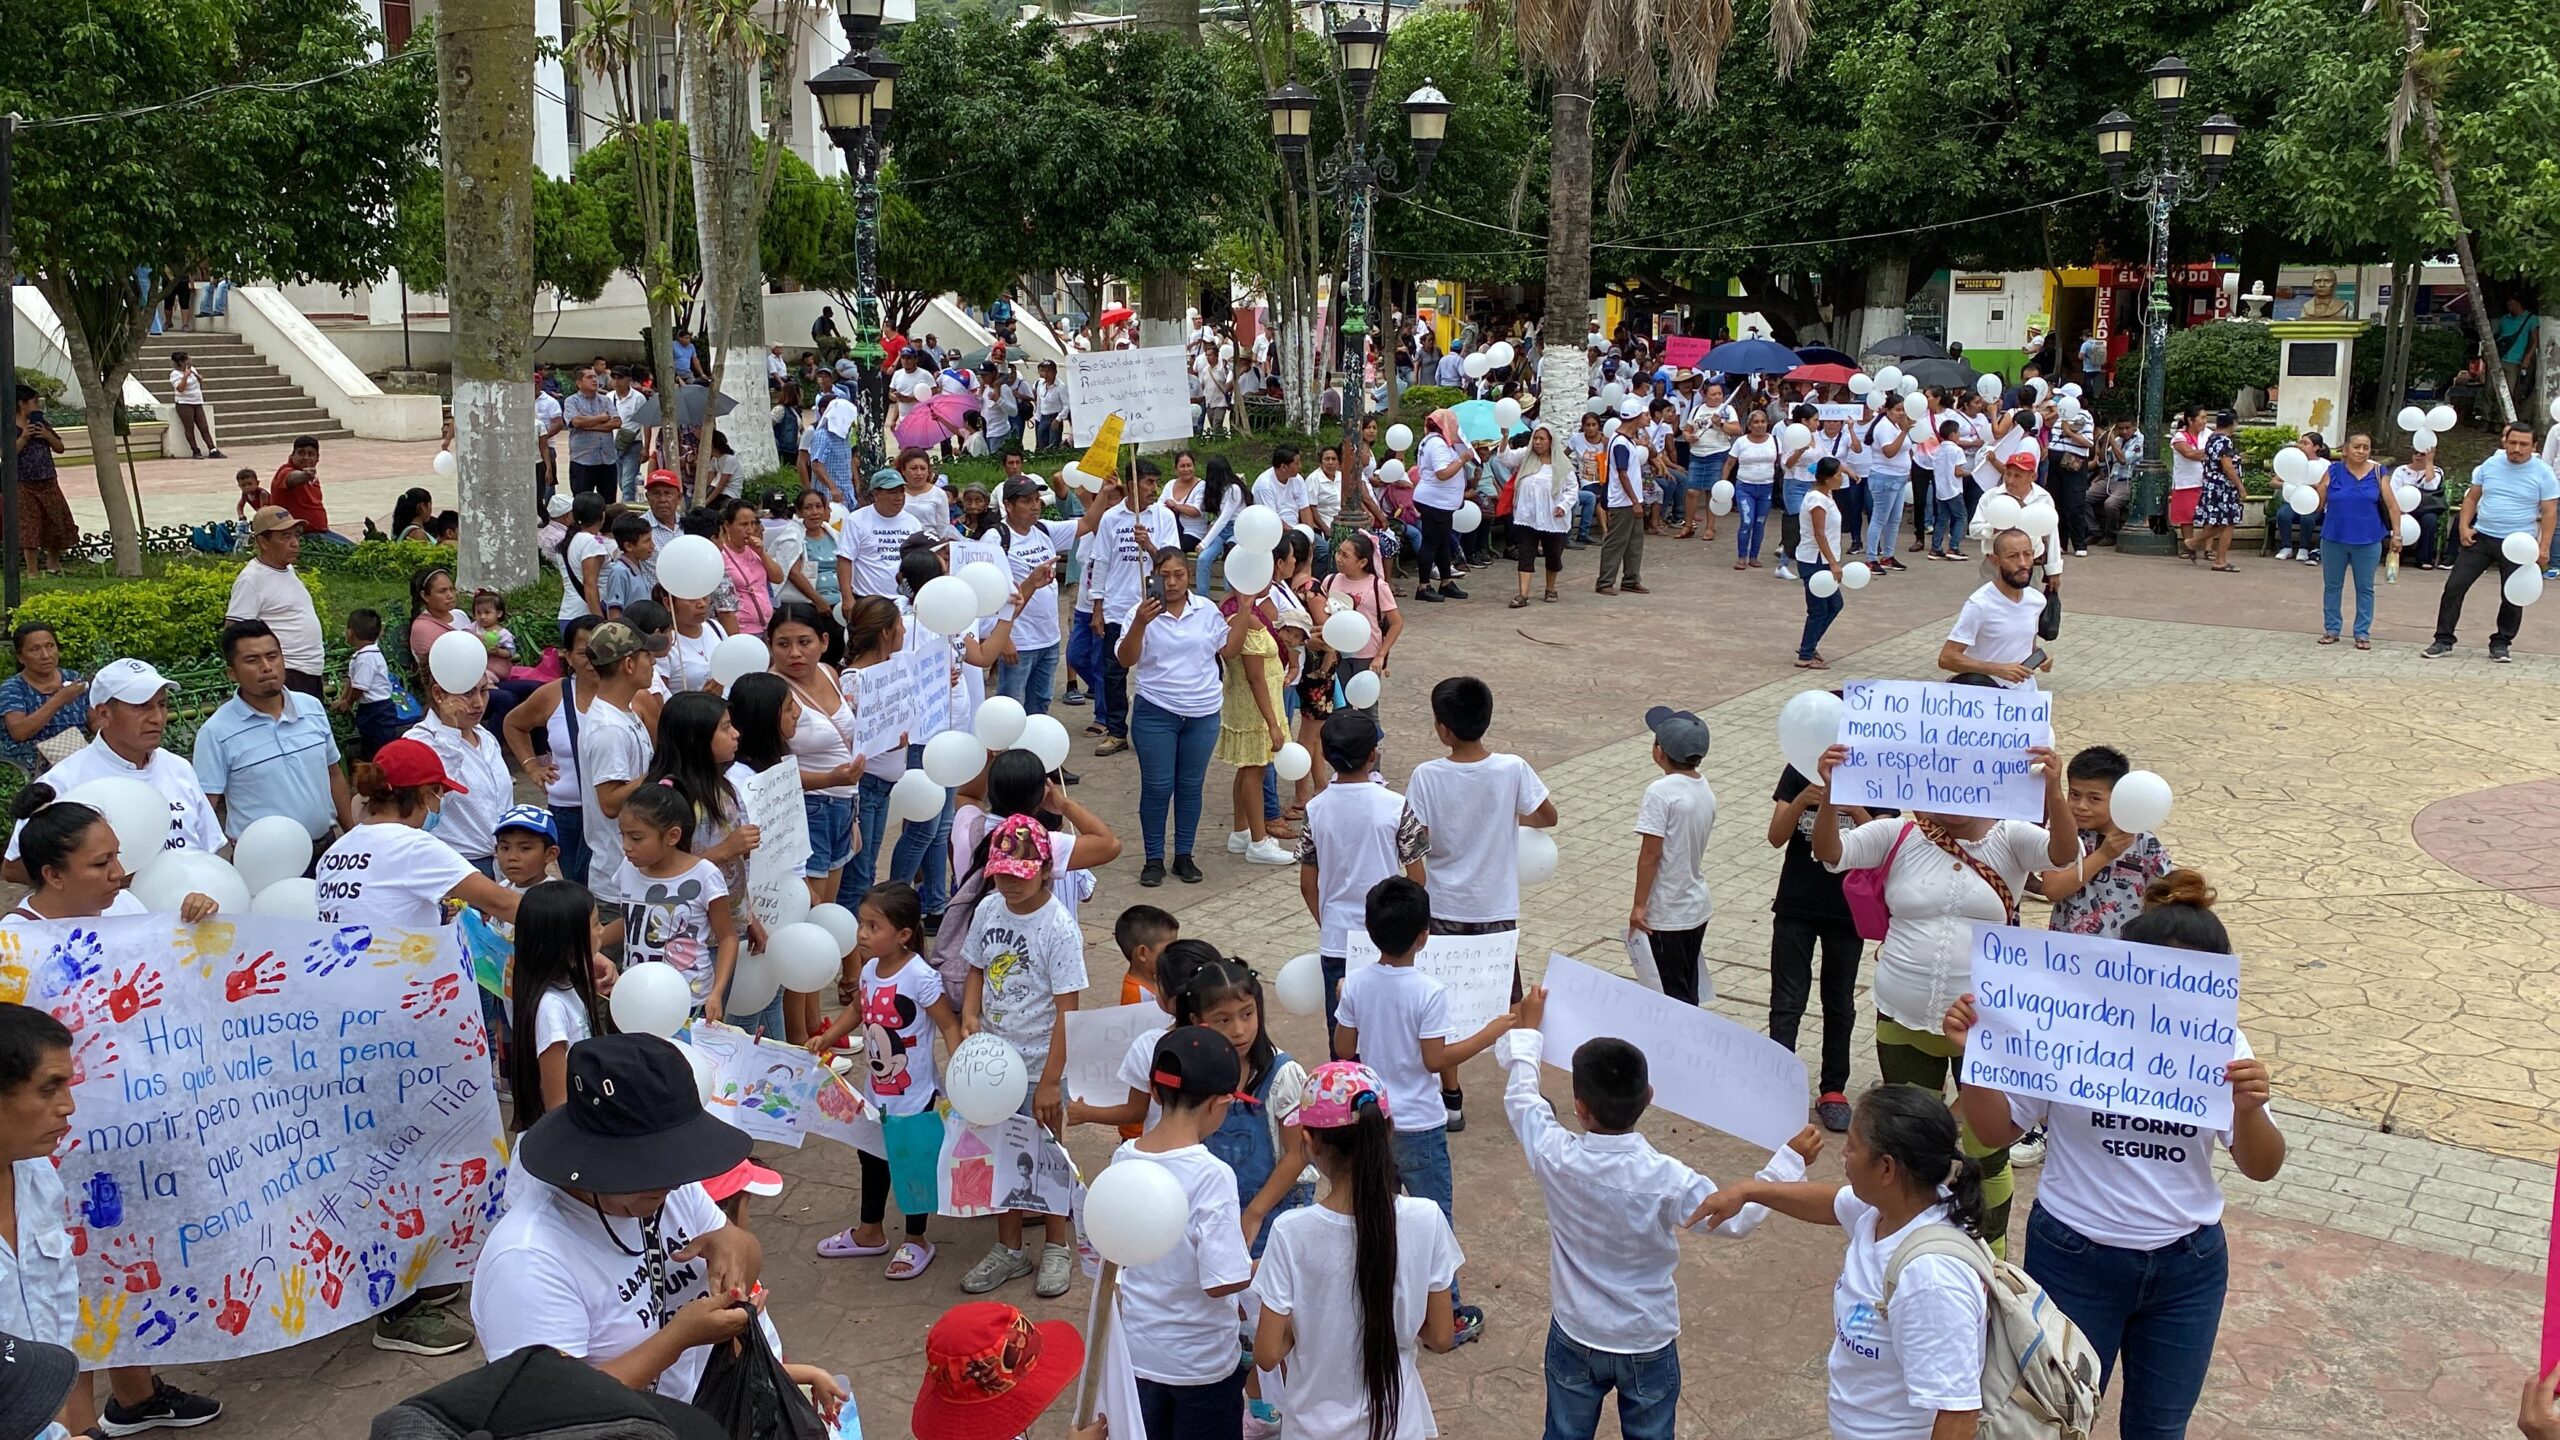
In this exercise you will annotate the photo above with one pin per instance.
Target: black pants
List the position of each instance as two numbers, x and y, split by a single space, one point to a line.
307 683
1192 1412
2430 533
2469 563
1791 945
1854 504
2071 499
1113 709
1528 545
875 1195
1439 548
1675 955
593 479
1790 530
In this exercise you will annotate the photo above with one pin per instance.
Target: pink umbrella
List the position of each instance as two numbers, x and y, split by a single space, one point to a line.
936 420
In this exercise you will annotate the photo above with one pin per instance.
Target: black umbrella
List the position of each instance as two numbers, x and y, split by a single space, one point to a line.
692 399
1907 346
1824 355
1942 373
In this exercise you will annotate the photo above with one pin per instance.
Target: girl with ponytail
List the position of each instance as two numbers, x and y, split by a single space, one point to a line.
1349 1284
1911 1370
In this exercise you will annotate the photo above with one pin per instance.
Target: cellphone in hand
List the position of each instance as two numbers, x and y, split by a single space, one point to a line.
1155 586
2036 658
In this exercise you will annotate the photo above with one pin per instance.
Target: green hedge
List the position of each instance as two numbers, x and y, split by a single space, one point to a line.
1416 401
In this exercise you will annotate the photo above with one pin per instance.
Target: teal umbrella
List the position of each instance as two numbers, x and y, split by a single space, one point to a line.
1477 421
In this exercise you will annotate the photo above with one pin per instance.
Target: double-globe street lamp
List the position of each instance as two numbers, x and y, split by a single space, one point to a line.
855 96
2165 181
1357 173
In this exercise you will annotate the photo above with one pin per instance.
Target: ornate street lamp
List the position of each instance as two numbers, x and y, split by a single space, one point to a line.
855 98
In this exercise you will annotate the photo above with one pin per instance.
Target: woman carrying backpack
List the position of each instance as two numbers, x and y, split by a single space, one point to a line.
2126 1234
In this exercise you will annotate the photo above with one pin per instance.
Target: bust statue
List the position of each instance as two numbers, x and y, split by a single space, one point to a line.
2324 303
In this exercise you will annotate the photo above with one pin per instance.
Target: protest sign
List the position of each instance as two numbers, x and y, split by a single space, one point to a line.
770 801
1705 1067
884 704
2136 1030
765 1087
1952 749
1848 414
1684 351
1149 388
970 552
931 660
282 1127
489 950
1474 969
1097 1040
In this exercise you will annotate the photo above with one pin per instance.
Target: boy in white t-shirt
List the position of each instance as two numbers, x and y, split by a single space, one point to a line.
1473 804
1675 818
1175 1311
1358 832
1395 1019
368 688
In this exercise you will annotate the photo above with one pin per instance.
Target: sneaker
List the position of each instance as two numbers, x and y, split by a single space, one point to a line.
2285 554
1072 697
1785 571
1238 841
2437 651
1452 592
1112 745
1151 874
1057 1271
1261 1420
215 455
1456 1101
1268 852
2028 1151
1833 1111
425 1330
2498 655
2080 553
2309 558
1185 871
1000 1266
171 1408
1470 1324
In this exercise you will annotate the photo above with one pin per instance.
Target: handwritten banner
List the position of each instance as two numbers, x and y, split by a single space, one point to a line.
1014 1165
1474 969
884 705
1684 351
1705 1067
930 662
1097 1041
770 801
1850 413
1149 388
780 1092
282 1127
2134 1030
969 552
1953 749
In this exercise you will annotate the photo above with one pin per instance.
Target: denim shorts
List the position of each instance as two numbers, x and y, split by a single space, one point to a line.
830 832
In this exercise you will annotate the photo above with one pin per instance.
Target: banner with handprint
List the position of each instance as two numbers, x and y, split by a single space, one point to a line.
282 1127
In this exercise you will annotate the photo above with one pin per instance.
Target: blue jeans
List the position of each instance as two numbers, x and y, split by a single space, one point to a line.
2156 1310
1946 524
1084 655
2334 560
1422 1167
830 819
767 1021
1204 563
1887 493
1819 611
2294 531
626 473
574 854
1751 504
1579 1378
923 855
1173 762
1586 512
1029 678
865 864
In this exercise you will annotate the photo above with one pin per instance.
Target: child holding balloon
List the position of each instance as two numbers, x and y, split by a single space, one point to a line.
903 1007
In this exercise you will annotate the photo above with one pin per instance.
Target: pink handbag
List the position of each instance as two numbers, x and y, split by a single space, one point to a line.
1864 890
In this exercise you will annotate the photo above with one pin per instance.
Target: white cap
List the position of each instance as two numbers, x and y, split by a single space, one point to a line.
133 682
1630 408
561 503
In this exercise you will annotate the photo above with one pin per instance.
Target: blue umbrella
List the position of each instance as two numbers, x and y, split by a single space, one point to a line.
1476 420
1751 357
1824 355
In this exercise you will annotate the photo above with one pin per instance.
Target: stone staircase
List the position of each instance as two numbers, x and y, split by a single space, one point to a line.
252 403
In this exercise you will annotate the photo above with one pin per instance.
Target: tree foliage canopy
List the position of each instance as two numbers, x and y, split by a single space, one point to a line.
792 237
573 253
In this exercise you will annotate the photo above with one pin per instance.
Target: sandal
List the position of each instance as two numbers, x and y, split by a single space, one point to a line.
1741 564
842 1246
911 1260
1816 663
845 995
1519 602
2226 569
1551 597
2328 639
2363 644
1097 729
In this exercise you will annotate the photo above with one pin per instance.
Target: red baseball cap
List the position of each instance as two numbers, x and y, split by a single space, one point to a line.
746 1176
989 1372
405 762
668 478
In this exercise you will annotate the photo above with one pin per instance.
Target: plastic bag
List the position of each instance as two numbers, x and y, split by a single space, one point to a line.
745 1390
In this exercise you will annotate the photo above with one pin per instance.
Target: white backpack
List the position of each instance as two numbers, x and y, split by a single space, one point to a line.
2039 1373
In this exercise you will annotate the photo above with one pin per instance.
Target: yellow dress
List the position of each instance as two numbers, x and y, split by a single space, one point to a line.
1244 738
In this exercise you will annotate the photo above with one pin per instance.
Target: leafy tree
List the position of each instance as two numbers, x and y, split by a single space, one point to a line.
249 184
792 233
573 253
1492 171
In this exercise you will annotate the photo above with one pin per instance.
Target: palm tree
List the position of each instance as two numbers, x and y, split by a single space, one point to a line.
2422 75
484 61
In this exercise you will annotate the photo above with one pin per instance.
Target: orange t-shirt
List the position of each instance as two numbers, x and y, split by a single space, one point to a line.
1132 991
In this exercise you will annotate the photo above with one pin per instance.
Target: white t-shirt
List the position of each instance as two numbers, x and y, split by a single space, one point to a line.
1878 432
1682 810
897 1035
1036 628
1891 1374
1707 439
1177 1334
468 823
1352 838
1472 808
388 875
551 1274
1755 461
1395 1008
186 386
613 746
1288 497
192 825
262 592
670 920
560 1018
1177 667
1138 1067
1428 486
368 675
687 663
1821 509
873 542
931 509
1926 957
2185 474
1309 1268
1996 629
2123 1180
585 546
1029 960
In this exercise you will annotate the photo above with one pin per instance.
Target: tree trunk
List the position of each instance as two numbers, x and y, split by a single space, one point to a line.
1163 296
1564 370
1880 312
2544 408
101 396
484 77
2425 105
725 212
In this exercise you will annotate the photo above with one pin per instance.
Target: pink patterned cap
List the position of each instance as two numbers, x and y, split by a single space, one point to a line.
1336 1091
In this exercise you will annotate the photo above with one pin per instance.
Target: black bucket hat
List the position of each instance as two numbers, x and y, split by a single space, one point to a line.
633 1122
34 1378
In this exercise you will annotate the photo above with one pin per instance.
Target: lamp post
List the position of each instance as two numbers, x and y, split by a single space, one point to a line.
2165 180
856 96
1357 172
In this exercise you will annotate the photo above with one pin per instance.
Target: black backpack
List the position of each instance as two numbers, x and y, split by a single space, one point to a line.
540 1394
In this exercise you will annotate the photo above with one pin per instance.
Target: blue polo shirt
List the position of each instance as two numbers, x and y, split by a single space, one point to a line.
263 766
2511 495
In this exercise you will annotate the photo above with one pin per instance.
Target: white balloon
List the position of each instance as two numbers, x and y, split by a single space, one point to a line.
1720 499
1910 385
444 464
1916 406
1347 631
2291 465
1807 726
1796 436
1988 387
2067 406
2140 804
1249 569
2303 499
1595 406
1612 393
1855 575
738 657
990 584
2520 547
2412 418
2524 586
954 758
2408 529
1861 384
2408 498
805 956
1469 516
1291 762
2072 390
1535 853
1500 355
2037 388
986 1081
999 722
1889 377
1476 366
292 898
753 983
789 904
273 848
1609 429
2555 409
946 605
457 661
2041 521
2000 512
1362 689
1136 1212
2421 441
2442 418
1046 738
1259 527
1506 413
1391 473
706 1072
1822 585
689 568
1399 438
165 883
650 998
137 813
1299 987
841 924
915 797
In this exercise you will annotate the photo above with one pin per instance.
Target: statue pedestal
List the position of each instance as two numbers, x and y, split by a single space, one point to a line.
2314 361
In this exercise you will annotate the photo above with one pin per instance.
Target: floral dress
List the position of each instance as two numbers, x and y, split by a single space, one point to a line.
2113 895
2220 503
